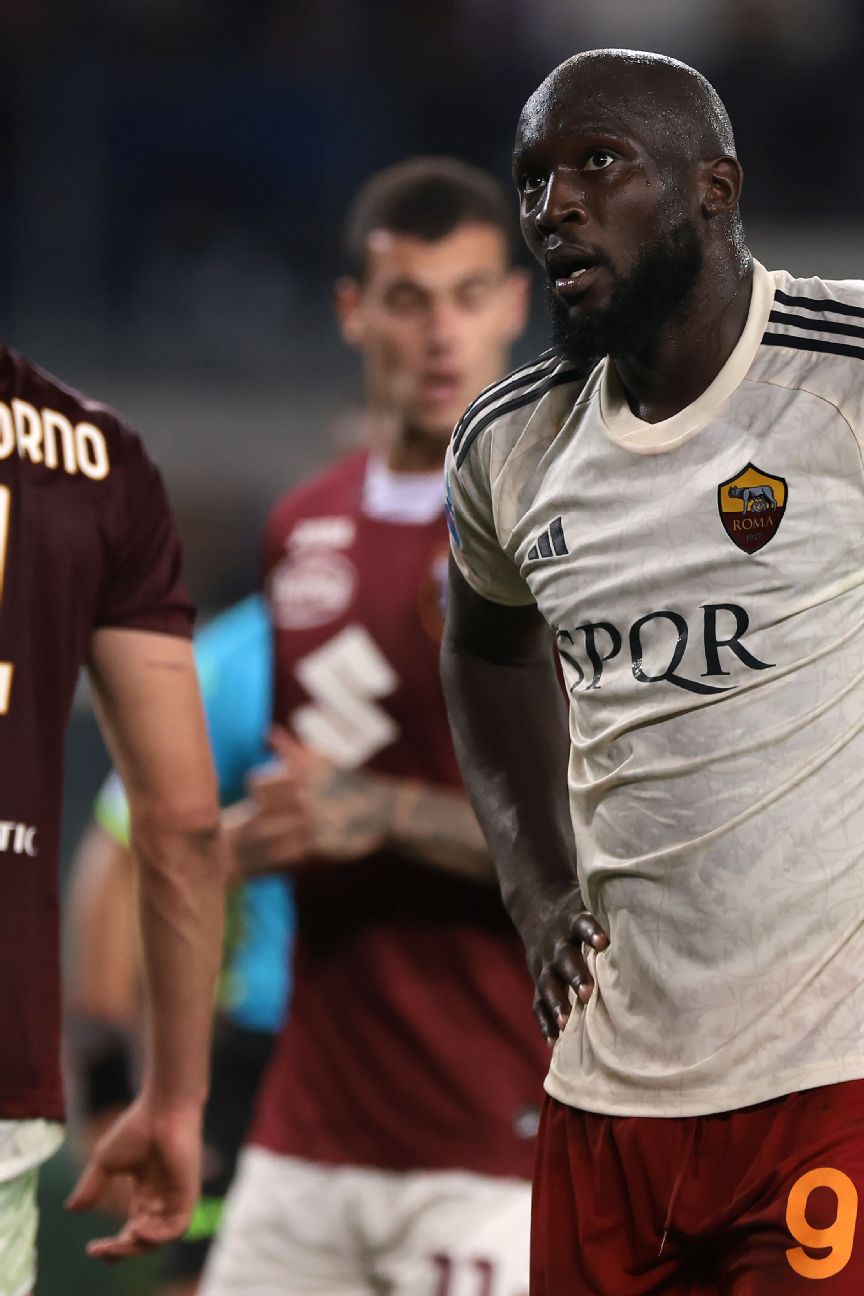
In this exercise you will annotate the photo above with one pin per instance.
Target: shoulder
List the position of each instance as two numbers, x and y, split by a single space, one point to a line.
815 335
31 383
540 394
336 490
818 298
58 426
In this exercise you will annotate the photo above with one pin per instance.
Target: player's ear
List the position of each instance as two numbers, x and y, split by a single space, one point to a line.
721 182
347 299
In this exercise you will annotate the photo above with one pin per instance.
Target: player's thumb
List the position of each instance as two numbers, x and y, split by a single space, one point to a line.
89 1188
283 745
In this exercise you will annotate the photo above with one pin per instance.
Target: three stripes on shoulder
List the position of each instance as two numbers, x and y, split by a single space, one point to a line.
549 542
532 381
522 387
813 322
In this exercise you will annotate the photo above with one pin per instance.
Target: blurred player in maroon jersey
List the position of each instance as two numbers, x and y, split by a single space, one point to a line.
90 574
393 1140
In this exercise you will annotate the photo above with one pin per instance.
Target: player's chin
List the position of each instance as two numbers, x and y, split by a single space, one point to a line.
437 424
587 306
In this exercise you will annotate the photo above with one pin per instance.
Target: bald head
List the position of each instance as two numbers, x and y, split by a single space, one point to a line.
628 197
670 106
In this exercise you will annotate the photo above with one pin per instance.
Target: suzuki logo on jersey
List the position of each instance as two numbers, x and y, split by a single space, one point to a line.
345 677
752 504
657 644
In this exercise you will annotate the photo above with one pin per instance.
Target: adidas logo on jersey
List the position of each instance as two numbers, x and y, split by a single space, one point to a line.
549 542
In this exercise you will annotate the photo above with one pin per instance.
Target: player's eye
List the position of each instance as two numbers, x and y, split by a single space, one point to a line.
474 296
532 182
404 299
599 160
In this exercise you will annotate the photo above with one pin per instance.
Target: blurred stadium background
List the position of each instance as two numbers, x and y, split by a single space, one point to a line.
175 173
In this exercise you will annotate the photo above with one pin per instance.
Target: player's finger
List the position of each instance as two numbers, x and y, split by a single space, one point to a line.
123 1247
276 788
137 1237
545 1021
587 928
570 965
286 748
272 840
91 1184
553 992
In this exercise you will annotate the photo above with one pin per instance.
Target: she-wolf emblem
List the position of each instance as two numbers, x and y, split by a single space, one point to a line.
755 498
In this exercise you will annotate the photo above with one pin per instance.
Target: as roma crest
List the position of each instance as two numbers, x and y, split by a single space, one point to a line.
751 506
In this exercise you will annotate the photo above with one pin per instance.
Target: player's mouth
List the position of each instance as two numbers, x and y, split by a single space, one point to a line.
441 386
572 272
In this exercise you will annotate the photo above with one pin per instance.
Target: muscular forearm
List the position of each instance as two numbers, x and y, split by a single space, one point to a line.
349 814
181 909
509 729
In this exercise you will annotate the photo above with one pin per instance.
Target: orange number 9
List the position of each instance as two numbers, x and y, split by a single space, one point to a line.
838 1236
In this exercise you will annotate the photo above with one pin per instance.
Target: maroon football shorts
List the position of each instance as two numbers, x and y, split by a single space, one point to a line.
757 1202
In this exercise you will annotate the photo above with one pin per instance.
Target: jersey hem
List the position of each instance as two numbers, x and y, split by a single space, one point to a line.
26 1107
51 1138
517 1180
491 1167
178 624
710 1103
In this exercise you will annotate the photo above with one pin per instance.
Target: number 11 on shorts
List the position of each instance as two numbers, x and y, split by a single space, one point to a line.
6 668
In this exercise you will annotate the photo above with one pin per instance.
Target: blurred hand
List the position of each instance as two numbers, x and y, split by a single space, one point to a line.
158 1155
83 1136
306 809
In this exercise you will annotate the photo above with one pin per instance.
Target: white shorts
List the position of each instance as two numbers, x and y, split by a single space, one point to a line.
294 1228
18 1221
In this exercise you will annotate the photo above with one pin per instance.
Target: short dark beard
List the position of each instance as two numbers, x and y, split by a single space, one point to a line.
653 292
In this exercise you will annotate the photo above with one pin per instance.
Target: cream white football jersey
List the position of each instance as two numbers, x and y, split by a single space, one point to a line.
704 579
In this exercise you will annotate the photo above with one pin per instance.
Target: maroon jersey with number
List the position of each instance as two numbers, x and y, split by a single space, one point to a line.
86 540
410 1042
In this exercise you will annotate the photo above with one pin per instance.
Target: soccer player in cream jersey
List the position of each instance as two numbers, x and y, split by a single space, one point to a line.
688 519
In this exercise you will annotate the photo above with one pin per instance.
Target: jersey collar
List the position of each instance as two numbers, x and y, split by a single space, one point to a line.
632 433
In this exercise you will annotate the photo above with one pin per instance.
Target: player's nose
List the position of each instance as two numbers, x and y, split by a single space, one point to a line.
443 325
564 201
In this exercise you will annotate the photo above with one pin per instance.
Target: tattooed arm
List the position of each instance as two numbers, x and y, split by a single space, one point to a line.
309 808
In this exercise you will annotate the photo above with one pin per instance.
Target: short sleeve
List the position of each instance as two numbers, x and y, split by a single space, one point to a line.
144 589
474 543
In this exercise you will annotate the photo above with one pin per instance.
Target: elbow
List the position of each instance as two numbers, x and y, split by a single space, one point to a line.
190 821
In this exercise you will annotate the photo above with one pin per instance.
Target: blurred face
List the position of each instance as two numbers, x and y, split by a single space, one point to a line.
616 234
433 323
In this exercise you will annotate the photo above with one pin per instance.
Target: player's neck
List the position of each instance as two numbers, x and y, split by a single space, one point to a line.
692 349
414 451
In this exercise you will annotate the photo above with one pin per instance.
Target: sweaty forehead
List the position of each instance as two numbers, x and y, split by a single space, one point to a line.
648 102
551 117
